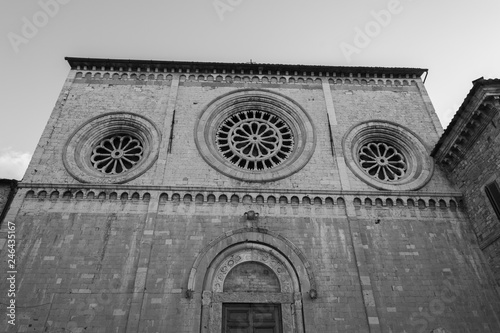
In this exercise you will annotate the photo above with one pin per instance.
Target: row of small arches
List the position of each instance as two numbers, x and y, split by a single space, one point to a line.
176 197
246 199
420 203
372 82
122 76
89 195
244 79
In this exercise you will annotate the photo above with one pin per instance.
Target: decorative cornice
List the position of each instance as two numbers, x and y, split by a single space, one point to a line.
117 77
259 190
200 196
241 68
471 119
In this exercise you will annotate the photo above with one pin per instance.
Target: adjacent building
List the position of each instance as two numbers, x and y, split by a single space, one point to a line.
469 152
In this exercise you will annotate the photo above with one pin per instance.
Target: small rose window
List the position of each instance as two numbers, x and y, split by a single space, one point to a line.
382 161
112 148
387 156
116 154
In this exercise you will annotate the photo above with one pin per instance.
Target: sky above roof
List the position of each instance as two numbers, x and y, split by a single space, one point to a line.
456 40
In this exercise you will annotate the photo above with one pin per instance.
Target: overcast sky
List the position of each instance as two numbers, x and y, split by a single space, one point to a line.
456 40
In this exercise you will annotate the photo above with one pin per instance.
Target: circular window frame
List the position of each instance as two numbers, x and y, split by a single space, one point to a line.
220 109
420 166
255 140
78 149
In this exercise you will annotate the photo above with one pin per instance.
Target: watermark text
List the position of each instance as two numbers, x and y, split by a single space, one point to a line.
224 6
437 306
31 26
11 272
364 36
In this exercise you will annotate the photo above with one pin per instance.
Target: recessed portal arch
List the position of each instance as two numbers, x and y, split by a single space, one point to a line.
263 252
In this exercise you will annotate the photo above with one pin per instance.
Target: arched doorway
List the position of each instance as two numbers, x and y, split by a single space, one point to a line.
250 285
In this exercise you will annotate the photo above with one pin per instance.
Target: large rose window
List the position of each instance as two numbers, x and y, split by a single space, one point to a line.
255 135
255 140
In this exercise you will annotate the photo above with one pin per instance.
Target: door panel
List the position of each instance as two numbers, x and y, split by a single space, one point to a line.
238 330
251 318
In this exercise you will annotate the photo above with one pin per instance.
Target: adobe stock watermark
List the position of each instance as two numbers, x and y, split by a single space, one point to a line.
223 6
88 310
11 273
373 28
437 306
31 26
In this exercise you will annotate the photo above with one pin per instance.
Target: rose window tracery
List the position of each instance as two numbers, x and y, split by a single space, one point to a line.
112 148
255 140
387 156
382 161
255 135
116 154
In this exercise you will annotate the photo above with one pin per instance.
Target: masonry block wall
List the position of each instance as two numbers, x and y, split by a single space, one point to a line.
469 152
479 167
165 246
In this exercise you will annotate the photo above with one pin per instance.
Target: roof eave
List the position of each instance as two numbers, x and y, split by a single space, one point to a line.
76 62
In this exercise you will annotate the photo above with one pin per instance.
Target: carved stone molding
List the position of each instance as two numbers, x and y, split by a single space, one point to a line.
228 258
206 297
255 135
79 152
387 156
254 255
235 240
243 297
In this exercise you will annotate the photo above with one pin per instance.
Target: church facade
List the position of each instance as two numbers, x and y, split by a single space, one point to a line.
219 197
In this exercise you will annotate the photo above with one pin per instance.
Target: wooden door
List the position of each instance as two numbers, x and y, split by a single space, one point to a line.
251 318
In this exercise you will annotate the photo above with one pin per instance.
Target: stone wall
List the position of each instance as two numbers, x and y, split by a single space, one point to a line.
179 161
127 263
480 166
474 162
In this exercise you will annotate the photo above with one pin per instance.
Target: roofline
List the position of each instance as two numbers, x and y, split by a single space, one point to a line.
477 84
76 62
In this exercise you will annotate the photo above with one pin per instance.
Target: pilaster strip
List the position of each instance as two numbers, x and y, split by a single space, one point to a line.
167 125
137 305
430 108
372 317
337 151
330 109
